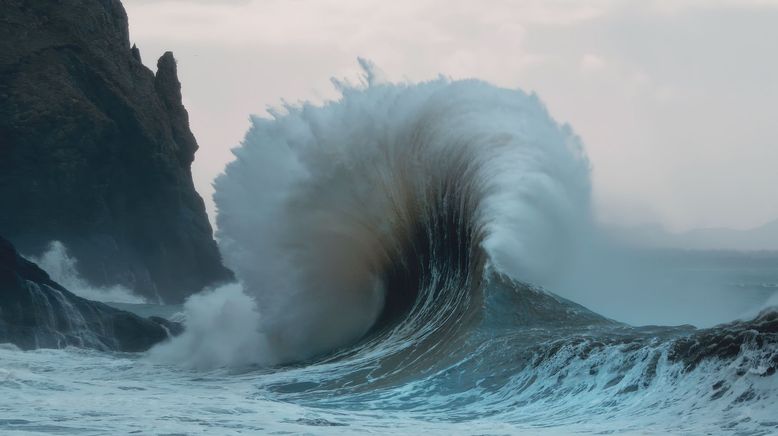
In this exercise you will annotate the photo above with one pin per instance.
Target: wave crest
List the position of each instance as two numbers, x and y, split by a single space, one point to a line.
391 200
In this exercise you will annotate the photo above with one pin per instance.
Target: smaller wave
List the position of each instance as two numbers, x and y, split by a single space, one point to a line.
63 269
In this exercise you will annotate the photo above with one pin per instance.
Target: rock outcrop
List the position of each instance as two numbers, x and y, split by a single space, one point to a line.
36 312
96 150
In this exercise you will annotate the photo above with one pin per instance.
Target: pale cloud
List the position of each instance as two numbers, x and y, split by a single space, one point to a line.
675 100
349 21
591 63
673 7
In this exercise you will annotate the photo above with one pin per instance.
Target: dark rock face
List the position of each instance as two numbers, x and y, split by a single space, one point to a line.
95 151
36 312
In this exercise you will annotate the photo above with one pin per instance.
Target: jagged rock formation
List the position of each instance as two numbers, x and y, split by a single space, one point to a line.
36 312
95 151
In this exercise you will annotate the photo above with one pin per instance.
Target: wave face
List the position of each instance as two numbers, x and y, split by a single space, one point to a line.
380 212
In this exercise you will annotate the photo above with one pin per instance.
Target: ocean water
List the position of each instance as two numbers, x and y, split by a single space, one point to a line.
512 372
411 259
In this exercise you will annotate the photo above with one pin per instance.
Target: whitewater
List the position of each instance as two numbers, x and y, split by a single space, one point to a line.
401 253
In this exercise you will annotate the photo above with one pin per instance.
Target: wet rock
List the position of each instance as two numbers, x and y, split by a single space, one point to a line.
36 312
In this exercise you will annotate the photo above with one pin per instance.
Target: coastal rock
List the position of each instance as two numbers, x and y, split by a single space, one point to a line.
96 150
36 312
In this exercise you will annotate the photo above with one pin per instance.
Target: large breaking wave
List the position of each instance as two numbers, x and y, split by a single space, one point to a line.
399 222
345 217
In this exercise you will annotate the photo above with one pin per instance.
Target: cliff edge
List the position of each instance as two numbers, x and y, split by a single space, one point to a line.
96 151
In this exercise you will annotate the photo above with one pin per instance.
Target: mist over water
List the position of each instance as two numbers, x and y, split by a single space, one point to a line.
643 286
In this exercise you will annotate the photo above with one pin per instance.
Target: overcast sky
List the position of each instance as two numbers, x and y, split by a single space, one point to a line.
676 101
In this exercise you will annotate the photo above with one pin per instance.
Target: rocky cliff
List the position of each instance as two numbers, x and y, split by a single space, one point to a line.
96 150
36 312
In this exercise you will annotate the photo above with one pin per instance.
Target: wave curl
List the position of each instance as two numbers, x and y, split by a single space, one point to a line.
385 206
